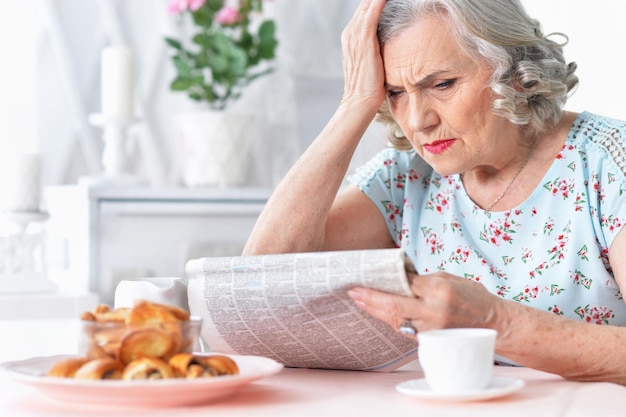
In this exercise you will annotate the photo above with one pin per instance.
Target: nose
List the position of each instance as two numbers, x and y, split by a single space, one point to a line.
422 116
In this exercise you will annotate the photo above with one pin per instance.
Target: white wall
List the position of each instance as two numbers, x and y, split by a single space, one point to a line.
18 92
597 36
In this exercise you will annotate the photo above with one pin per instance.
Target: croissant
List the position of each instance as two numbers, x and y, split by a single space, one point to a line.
138 343
179 313
119 315
149 341
66 368
149 312
102 368
103 340
148 368
103 313
187 365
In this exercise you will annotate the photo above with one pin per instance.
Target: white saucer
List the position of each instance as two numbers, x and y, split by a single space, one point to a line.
498 387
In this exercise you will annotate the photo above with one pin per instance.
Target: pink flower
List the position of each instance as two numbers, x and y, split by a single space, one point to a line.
179 6
227 16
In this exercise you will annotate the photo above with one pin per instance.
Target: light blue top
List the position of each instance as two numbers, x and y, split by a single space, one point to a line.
550 252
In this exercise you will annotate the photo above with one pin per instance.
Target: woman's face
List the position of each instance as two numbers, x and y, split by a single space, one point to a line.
441 99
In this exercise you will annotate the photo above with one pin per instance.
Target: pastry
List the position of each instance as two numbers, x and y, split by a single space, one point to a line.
138 343
66 368
88 316
149 341
145 328
101 308
179 313
187 365
102 368
119 315
148 368
103 340
148 312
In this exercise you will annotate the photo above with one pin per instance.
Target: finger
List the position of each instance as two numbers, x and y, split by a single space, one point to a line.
372 11
390 308
407 328
364 22
369 10
362 62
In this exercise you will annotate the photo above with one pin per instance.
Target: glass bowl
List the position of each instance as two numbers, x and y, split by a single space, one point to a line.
126 342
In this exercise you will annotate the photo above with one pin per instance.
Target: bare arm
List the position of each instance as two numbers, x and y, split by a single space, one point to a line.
356 223
295 219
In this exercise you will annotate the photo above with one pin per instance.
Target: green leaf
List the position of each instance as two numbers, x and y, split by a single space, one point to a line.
204 20
267 30
209 93
266 50
214 5
267 40
218 64
202 60
174 43
182 67
180 84
204 16
246 41
222 43
198 78
239 62
202 39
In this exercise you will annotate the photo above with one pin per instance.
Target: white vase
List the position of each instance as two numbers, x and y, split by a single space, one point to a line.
216 147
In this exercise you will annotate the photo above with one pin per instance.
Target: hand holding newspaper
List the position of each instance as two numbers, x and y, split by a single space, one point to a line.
294 308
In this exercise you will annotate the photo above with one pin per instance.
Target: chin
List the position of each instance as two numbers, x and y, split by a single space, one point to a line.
442 169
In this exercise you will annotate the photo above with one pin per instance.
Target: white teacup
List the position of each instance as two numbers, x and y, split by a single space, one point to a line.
163 290
457 360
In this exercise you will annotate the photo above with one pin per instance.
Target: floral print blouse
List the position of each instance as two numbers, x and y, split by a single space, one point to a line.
550 252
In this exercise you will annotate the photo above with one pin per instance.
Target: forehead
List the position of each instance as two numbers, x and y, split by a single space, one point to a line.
425 47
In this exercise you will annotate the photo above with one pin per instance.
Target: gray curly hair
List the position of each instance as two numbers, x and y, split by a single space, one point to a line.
530 75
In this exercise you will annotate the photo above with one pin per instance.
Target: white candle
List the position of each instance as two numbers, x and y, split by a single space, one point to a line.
117 82
26 191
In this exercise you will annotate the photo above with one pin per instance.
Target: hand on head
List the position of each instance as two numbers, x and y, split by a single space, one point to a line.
362 62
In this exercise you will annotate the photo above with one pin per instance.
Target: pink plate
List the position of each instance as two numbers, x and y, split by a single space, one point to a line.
156 393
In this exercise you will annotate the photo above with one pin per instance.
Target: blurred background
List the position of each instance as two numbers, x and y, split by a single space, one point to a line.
51 84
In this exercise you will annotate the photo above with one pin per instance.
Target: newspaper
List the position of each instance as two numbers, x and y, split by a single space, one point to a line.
294 308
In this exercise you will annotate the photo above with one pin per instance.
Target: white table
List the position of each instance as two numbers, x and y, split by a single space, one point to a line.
305 392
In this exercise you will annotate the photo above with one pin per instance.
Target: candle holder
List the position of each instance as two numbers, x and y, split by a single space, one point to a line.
22 254
114 158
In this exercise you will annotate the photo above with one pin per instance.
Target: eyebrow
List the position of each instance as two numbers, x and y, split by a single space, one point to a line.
421 83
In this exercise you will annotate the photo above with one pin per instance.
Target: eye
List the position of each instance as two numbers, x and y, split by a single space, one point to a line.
444 84
394 93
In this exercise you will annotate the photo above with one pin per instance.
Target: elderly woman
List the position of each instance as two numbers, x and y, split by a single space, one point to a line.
510 207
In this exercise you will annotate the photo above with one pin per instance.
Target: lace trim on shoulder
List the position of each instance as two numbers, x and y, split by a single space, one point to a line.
609 134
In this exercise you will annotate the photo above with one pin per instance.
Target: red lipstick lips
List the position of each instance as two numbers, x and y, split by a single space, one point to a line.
438 146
